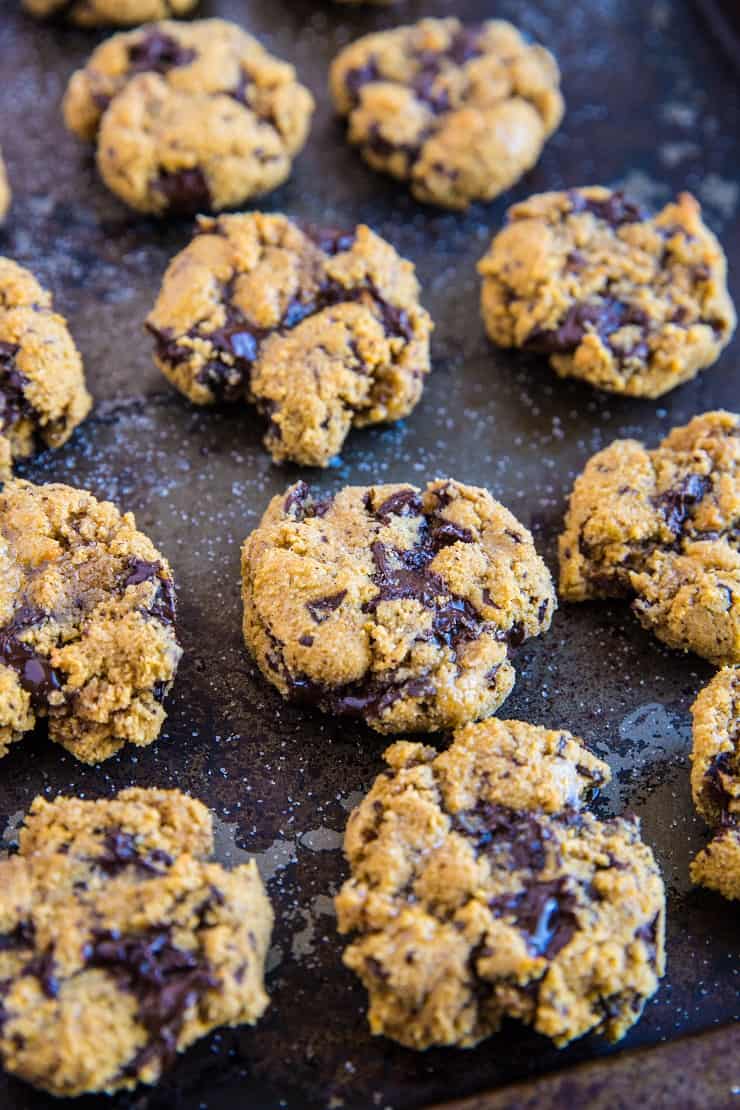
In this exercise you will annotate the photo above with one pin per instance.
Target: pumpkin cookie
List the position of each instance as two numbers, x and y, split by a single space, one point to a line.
629 302
98 13
5 196
189 116
392 604
459 111
87 610
663 527
120 943
482 889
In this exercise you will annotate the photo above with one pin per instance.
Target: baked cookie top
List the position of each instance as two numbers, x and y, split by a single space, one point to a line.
396 605
482 889
98 13
460 111
663 528
323 331
120 943
5 196
42 383
189 116
631 302
87 610
715 781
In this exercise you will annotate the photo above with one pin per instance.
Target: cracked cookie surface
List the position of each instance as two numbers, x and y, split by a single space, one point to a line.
322 331
627 301
663 527
460 111
99 13
120 942
482 889
715 781
87 610
188 117
42 383
5 196
392 604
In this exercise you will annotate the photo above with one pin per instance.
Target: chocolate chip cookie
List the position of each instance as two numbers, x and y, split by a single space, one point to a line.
631 302
189 116
322 331
392 604
42 384
460 111
5 196
87 610
482 889
120 943
98 13
715 781
662 527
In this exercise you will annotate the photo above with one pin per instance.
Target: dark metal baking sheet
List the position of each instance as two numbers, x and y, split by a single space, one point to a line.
652 104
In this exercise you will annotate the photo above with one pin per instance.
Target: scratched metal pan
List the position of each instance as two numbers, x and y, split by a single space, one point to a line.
652 104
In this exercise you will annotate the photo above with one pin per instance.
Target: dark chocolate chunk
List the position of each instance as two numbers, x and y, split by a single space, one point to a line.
185 191
14 405
603 317
722 766
322 609
354 79
330 240
295 502
21 937
35 673
545 912
42 967
163 605
498 830
616 210
676 504
120 851
465 44
158 53
404 502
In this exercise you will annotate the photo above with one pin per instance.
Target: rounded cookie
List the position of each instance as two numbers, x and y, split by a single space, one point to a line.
42 383
460 111
663 527
5 196
189 116
715 781
482 889
121 943
392 604
630 302
87 610
98 13
322 331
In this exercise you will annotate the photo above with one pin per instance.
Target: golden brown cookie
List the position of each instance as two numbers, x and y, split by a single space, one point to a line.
393 604
662 527
715 781
5 196
87 610
42 384
98 13
482 889
630 302
189 116
321 331
120 943
460 111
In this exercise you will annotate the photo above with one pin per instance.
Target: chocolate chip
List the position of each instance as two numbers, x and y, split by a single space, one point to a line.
438 100
163 605
305 640
120 851
404 502
22 936
385 148
498 830
185 191
14 405
322 609
465 44
676 504
355 79
615 210
330 240
545 912
35 673
42 967
720 767
603 317
158 53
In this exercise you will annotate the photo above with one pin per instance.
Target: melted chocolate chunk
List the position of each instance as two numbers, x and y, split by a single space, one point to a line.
299 504
649 934
497 830
383 147
21 937
120 852
35 673
615 210
721 766
42 967
13 403
163 605
330 240
545 912
158 53
676 504
356 78
404 502
437 100
165 979
322 609
185 191
603 317
465 44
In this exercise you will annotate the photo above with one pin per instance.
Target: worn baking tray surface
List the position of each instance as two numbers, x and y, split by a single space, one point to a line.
651 104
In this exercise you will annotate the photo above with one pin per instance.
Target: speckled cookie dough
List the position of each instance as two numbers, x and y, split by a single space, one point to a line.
189 117
459 111
715 781
120 943
42 384
630 302
663 527
87 610
99 13
392 604
482 889
5 196
321 331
